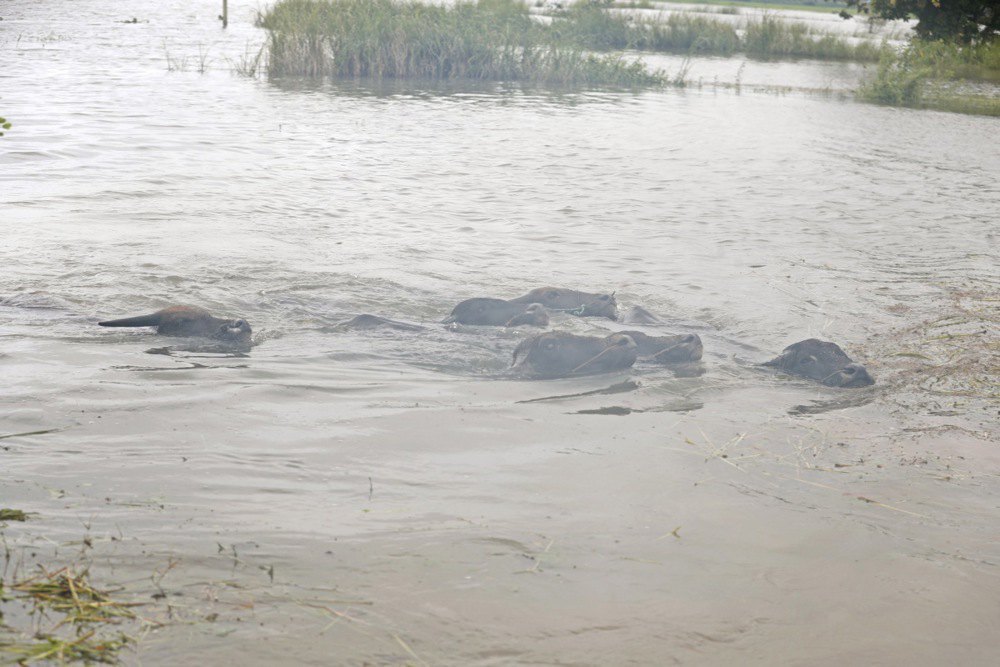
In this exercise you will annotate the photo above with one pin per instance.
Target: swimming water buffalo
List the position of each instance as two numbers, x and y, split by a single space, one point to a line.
678 348
498 313
584 304
534 315
560 354
822 361
189 321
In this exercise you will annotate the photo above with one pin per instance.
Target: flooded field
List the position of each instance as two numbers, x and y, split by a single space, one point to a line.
338 497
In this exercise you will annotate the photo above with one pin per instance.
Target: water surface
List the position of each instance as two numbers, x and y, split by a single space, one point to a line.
390 498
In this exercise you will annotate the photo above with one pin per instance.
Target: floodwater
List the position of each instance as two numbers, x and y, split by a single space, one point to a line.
338 497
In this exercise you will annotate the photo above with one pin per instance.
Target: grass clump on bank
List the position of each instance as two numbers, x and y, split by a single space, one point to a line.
972 62
488 40
923 75
896 82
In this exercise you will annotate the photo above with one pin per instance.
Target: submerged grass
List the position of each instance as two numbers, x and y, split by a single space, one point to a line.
949 363
978 105
487 40
81 614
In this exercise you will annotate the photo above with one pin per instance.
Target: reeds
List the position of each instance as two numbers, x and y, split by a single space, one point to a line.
590 25
251 63
487 40
772 37
499 40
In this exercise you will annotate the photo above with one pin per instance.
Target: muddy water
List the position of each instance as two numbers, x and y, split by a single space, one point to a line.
390 498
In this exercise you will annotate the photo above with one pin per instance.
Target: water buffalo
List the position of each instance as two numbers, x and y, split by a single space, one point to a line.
561 354
498 313
677 348
534 315
584 304
189 321
822 361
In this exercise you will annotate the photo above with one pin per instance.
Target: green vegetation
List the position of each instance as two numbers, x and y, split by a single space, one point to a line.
823 6
979 105
4 125
9 514
956 42
78 614
251 63
950 60
922 76
964 21
499 40
896 82
772 37
591 26
489 39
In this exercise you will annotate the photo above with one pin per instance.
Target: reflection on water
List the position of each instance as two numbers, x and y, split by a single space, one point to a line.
400 489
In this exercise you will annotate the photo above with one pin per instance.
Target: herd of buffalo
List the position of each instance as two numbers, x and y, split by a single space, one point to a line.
551 354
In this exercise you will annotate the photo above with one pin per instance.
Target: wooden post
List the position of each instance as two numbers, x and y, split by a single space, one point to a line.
225 13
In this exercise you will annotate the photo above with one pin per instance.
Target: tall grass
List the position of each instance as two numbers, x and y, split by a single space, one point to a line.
896 82
590 25
772 37
920 77
499 40
976 62
488 39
